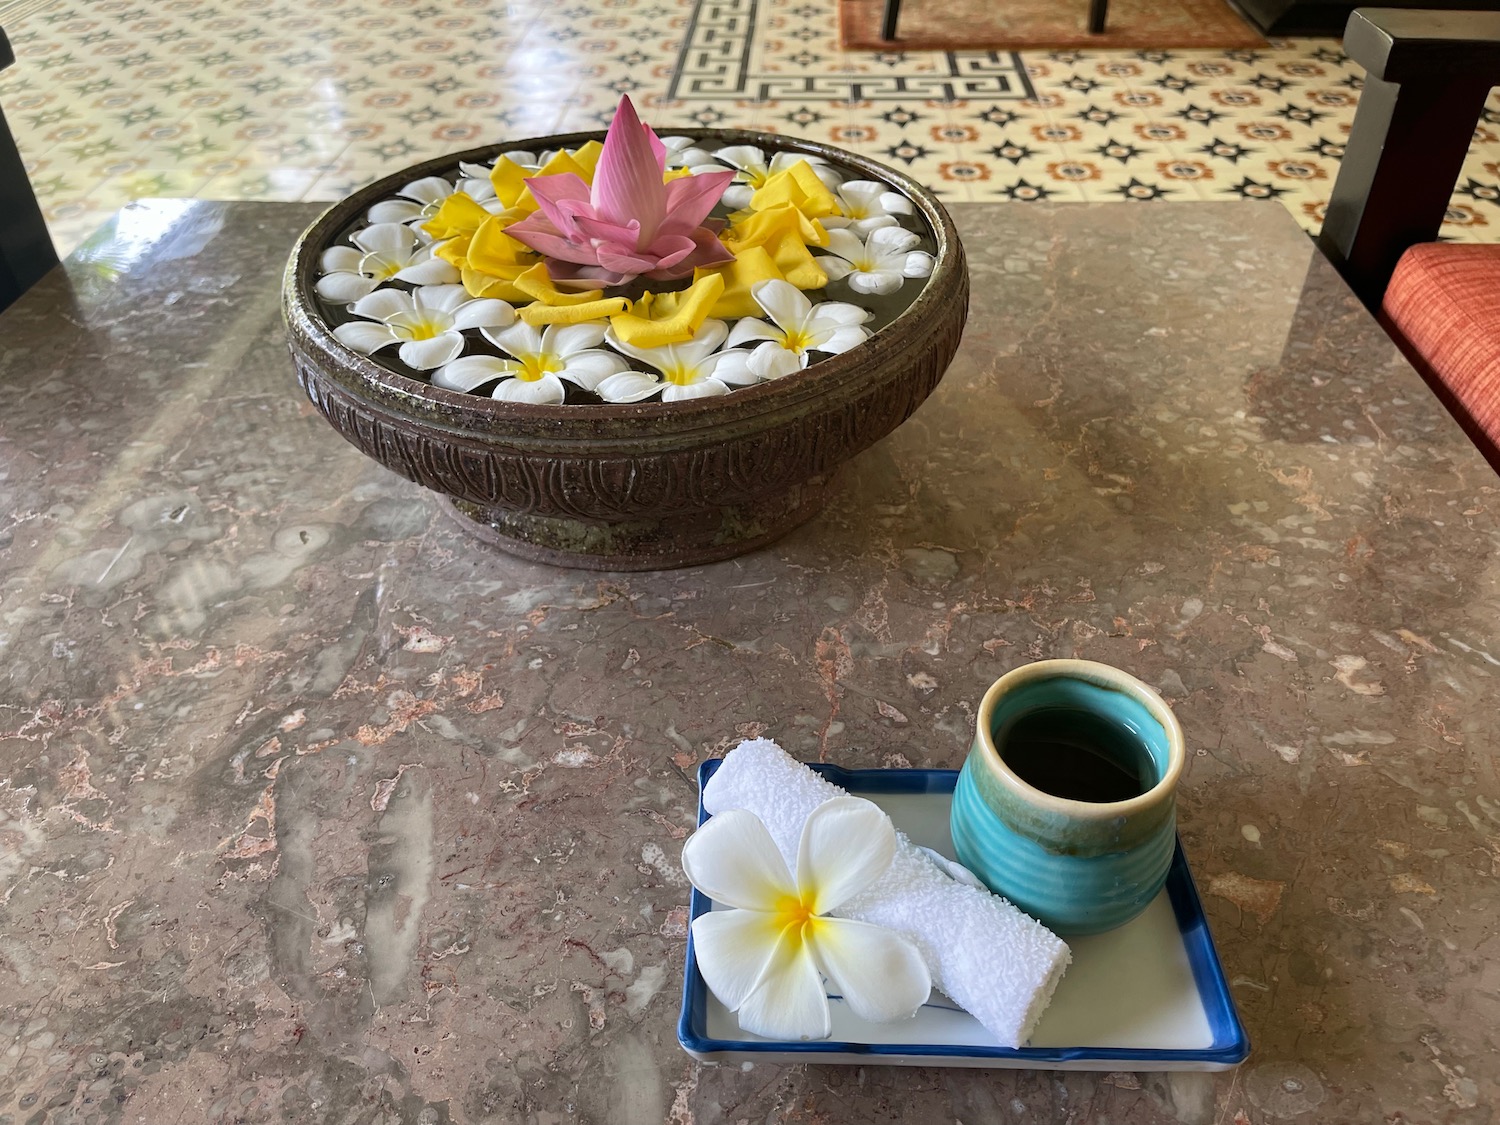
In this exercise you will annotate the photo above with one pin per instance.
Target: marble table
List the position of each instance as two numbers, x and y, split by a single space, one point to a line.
313 810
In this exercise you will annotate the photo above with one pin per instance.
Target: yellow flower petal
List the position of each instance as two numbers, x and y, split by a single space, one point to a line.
478 284
750 265
537 283
458 220
587 156
459 214
493 251
538 314
658 319
798 185
455 250
784 232
493 254
565 161
509 181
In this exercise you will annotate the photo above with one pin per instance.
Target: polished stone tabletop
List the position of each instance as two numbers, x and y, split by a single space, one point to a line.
313 810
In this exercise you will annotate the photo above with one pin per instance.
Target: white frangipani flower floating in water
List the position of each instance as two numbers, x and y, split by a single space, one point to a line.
540 361
800 327
766 957
867 206
879 265
427 323
422 198
474 181
693 369
683 152
755 168
719 231
381 252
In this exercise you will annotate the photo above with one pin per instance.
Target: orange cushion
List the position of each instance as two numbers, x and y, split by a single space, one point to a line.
1444 298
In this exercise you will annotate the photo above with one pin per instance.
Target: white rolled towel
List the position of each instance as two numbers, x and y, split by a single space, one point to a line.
996 962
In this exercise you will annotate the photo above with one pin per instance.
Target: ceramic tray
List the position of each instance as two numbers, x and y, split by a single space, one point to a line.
1150 995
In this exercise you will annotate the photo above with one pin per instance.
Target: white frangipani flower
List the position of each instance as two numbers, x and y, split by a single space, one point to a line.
542 360
692 369
800 327
531 161
755 168
766 957
422 199
381 252
867 206
683 152
427 323
878 265
474 181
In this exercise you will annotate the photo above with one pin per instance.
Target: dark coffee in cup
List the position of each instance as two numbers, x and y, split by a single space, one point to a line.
1077 755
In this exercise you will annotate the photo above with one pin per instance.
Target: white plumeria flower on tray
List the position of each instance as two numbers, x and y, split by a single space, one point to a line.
693 369
767 956
799 327
540 361
755 169
867 206
382 252
422 199
428 323
879 264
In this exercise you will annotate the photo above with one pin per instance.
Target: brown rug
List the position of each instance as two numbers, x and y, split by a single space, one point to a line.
1011 25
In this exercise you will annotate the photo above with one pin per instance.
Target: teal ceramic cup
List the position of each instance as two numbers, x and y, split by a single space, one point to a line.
1066 804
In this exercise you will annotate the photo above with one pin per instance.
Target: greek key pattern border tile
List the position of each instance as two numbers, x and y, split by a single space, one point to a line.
717 62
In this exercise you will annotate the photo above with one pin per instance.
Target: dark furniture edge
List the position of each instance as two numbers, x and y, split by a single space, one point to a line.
26 250
1429 74
1327 17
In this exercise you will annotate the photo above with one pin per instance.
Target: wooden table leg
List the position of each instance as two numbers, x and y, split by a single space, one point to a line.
1098 9
888 19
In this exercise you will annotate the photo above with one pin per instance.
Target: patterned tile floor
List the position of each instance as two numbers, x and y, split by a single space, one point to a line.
113 100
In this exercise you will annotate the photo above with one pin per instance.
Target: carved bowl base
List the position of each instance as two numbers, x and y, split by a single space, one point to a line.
681 539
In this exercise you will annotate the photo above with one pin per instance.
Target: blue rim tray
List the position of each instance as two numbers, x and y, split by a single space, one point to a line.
1149 996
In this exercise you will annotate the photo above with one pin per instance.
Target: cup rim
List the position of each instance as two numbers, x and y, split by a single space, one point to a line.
1104 675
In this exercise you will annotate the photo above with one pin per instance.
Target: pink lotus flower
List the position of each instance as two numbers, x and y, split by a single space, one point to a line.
630 223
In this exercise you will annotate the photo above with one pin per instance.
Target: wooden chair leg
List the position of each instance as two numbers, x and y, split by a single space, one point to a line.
1098 12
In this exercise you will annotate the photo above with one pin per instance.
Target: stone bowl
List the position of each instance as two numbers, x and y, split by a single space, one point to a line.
641 486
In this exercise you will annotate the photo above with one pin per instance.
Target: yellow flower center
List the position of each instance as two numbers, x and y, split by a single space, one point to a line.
379 266
422 330
795 920
533 367
796 341
681 375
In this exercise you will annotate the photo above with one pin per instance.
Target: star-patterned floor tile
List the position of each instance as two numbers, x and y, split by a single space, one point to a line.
113 100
